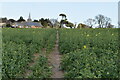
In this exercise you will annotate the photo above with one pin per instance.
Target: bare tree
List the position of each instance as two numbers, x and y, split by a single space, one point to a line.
107 22
103 22
54 22
100 20
90 22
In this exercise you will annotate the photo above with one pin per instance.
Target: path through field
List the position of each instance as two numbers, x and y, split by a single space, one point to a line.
54 59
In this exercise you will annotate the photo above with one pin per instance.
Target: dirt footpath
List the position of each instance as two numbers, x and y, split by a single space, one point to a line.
55 59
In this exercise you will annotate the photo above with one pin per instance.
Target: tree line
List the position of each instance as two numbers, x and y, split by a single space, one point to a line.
100 20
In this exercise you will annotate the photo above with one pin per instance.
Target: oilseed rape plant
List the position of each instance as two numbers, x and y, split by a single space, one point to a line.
84 46
85 53
19 46
91 56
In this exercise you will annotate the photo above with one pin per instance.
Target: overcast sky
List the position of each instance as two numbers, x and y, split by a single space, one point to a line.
75 11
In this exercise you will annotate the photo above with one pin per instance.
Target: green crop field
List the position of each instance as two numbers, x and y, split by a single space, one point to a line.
19 45
89 53
86 53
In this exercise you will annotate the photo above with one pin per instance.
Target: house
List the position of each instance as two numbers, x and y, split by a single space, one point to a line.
27 24
83 26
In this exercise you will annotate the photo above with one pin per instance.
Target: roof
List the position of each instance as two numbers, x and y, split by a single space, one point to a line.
28 24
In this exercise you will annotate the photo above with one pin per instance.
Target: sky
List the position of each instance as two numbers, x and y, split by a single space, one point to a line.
77 12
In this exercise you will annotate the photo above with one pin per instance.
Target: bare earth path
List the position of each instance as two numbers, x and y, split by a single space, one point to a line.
54 59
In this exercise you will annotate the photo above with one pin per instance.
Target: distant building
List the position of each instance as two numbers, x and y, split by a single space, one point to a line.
27 24
29 18
83 26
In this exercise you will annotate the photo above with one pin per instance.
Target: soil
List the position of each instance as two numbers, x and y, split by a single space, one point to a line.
54 59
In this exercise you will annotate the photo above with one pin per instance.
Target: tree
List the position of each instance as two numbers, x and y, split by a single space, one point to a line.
90 22
11 20
3 20
100 20
69 24
63 16
35 21
63 20
45 22
49 23
21 19
107 22
8 25
103 21
42 21
54 22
